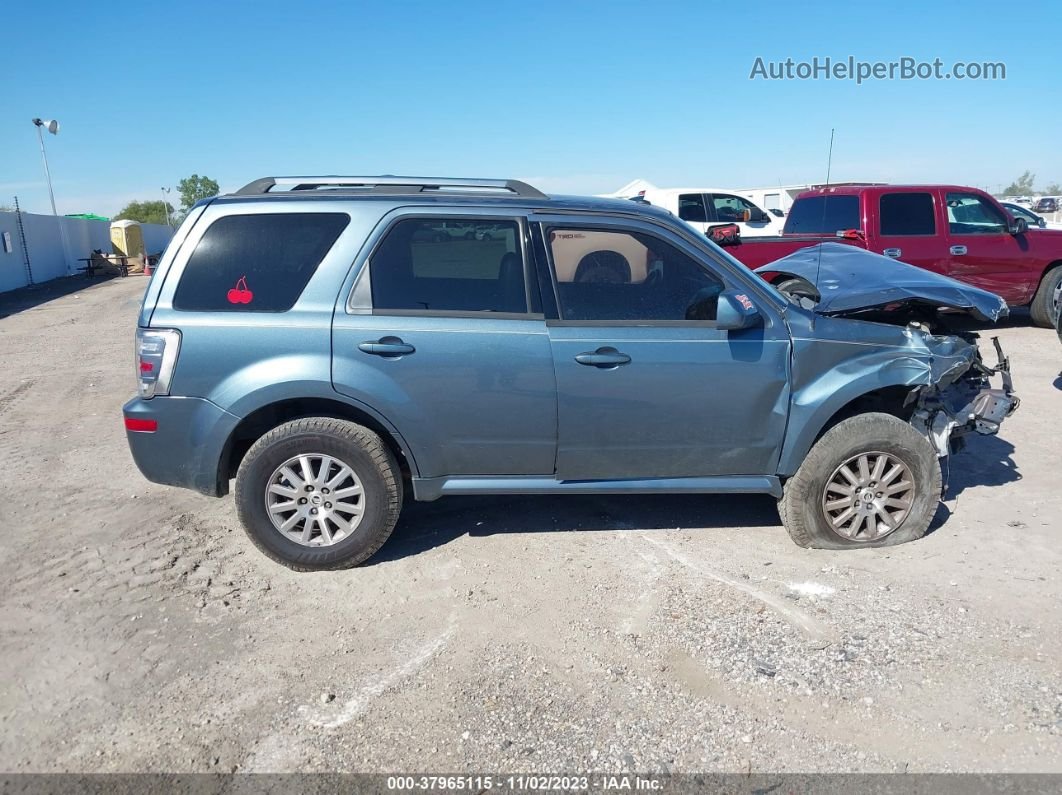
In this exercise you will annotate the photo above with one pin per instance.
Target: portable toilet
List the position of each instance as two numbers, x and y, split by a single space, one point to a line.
126 238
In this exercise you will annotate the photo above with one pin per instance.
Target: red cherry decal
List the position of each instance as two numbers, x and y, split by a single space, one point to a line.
240 294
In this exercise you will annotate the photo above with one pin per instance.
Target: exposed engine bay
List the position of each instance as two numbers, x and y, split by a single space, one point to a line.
947 410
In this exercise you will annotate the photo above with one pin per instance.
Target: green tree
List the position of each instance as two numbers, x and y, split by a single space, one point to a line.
194 188
1022 186
148 212
1053 189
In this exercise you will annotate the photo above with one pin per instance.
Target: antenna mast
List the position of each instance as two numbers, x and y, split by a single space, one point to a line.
829 158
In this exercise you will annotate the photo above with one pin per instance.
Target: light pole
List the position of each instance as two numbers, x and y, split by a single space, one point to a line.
165 206
52 126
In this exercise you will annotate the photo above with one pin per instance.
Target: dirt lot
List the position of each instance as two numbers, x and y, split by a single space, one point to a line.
142 632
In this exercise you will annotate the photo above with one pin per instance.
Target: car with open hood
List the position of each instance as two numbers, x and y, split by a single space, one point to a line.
313 341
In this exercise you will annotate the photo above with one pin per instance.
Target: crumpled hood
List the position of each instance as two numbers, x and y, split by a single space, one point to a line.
851 279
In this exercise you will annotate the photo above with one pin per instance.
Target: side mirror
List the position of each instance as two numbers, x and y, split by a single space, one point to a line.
1019 226
736 311
761 217
1042 223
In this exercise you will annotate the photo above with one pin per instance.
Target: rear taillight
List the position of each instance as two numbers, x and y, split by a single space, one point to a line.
138 425
156 355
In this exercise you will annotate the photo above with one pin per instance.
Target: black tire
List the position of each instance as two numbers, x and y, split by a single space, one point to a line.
356 446
801 506
1042 310
797 288
604 267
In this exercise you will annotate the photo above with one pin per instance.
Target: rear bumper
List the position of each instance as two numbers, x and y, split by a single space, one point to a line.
186 448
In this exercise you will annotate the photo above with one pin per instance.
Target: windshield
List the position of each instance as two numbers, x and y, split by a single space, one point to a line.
1021 212
701 239
823 215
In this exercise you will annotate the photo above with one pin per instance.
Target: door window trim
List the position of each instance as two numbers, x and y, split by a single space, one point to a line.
662 234
359 299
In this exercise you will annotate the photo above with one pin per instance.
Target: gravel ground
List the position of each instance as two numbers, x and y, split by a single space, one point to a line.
142 632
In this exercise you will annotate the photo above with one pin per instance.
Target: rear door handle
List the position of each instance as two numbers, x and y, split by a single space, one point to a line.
958 251
892 252
388 347
603 358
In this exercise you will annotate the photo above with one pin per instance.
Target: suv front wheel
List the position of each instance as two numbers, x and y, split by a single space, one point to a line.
871 481
319 493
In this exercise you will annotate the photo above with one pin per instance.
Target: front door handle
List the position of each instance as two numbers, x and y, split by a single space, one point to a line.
892 252
958 251
387 347
603 358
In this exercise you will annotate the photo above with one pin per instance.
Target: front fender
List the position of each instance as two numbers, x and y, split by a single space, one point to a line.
812 408
841 360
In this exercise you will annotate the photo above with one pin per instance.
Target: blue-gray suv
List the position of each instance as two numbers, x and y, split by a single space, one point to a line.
335 344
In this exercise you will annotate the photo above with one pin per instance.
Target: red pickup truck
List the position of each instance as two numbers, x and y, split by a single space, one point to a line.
959 232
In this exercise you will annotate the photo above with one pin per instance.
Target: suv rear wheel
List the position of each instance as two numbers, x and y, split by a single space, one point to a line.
319 493
871 481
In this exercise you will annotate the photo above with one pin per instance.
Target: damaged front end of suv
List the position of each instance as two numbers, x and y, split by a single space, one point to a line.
962 400
947 388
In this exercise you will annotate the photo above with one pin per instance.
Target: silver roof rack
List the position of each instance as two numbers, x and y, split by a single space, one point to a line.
392 185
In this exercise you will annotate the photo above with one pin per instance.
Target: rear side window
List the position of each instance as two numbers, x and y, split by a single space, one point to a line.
449 266
692 208
256 263
907 214
823 215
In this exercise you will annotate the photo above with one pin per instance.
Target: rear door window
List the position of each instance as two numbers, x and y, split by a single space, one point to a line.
465 265
692 208
823 215
907 214
256 263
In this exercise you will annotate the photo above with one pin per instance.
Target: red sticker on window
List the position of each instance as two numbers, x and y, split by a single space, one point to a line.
240 294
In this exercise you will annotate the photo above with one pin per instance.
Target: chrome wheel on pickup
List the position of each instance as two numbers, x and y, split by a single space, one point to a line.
868 496
1045 301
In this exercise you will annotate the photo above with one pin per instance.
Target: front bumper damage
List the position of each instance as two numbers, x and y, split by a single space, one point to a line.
964 401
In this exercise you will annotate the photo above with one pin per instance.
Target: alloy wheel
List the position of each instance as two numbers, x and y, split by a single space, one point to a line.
868 496
315 500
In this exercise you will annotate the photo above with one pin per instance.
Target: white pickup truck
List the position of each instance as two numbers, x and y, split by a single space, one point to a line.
705 207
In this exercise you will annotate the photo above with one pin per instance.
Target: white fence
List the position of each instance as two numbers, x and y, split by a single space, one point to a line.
45 246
